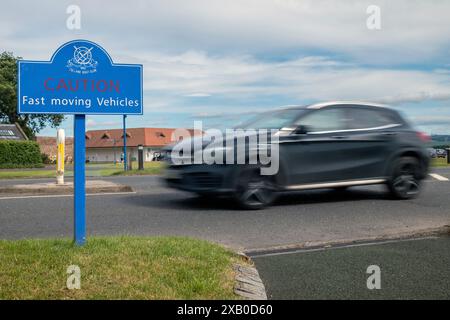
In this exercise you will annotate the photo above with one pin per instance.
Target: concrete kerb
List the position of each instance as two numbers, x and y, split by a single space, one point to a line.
92 186
248 283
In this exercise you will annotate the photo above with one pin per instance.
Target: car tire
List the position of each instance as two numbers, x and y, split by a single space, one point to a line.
254 191
405 182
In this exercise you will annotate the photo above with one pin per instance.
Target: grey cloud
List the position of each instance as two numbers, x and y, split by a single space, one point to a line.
412 31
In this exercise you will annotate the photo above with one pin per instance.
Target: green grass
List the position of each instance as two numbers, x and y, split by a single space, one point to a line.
149 169
117 268
16 174
92 169
110 169
439 162
21 166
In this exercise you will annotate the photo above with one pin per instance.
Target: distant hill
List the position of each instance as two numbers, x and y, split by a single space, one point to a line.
440 140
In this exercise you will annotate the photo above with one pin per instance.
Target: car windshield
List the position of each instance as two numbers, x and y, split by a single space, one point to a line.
271 120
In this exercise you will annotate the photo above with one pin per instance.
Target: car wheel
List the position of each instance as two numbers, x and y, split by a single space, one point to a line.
404 182
255 191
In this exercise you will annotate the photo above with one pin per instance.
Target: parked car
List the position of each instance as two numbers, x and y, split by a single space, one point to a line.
328 145
432 152
441 153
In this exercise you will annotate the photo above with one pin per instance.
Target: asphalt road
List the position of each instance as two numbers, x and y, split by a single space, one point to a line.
301 217
412 269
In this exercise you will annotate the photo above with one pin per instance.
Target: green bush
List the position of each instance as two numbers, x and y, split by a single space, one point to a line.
19 154
45 158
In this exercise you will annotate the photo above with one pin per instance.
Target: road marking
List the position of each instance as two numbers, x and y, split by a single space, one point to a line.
438 177
333 247
66 195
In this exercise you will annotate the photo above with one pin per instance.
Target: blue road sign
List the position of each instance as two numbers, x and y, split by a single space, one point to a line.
79 79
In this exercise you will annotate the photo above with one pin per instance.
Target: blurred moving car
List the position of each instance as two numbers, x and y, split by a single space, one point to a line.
328 145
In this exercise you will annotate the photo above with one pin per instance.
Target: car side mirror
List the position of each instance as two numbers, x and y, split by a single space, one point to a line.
301 129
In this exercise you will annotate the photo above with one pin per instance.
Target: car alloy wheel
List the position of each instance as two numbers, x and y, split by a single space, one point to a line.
255 191
404 183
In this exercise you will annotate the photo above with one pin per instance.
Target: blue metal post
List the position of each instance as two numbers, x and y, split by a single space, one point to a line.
79 202
125 168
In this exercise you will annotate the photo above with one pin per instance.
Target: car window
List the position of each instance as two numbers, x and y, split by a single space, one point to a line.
272 120
324 120
361 118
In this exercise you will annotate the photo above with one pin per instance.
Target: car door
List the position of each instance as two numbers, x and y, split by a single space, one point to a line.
321 154
370 140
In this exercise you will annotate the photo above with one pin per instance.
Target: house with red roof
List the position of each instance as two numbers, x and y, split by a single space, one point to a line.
107 145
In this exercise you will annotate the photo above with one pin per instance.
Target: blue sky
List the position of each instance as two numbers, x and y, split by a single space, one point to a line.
222 61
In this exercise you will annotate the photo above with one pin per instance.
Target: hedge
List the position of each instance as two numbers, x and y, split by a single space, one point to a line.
19 154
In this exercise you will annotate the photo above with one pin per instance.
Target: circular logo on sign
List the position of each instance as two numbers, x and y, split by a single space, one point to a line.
82 61
82 55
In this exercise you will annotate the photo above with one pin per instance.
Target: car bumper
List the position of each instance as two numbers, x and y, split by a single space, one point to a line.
212 179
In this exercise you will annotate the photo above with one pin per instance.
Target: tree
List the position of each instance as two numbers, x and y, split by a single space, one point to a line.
30 123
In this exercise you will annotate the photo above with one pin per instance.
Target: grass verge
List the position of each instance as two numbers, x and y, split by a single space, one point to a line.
16 174
439 162
150 168
117 268
98 170
106 170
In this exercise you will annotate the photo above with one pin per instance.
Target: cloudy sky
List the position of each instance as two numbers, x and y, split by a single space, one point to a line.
221 61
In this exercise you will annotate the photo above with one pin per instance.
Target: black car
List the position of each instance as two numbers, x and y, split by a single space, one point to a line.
329 145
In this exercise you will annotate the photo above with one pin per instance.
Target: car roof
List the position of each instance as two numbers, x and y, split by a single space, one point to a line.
334 103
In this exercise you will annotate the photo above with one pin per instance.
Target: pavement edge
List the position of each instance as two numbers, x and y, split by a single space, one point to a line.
420 233
92 186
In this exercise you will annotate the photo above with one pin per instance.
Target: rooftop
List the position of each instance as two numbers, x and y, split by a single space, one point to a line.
11 132
152 137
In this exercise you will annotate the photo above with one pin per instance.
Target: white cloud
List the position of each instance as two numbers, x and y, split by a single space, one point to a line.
432 120
238 50
412 31
303 78
93 124
198 95
212 48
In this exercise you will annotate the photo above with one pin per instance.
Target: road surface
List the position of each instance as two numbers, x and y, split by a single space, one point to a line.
308 216
408 269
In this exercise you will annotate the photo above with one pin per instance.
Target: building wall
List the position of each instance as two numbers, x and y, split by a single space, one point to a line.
107 154
103 154
49 147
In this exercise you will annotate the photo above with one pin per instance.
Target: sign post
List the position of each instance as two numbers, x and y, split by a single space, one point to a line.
79 179
140 157
80 79
125 142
